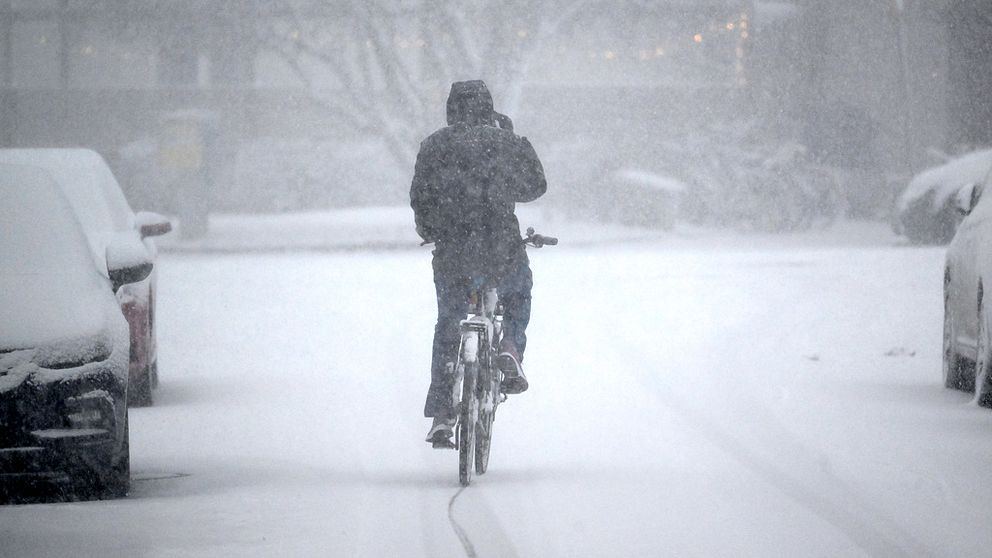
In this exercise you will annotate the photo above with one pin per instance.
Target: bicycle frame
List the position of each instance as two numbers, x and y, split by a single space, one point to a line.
487 324
484 320
476 380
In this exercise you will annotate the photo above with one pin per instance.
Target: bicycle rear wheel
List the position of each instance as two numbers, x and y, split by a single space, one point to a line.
468 412
488 393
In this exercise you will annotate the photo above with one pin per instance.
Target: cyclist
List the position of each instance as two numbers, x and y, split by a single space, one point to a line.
467 179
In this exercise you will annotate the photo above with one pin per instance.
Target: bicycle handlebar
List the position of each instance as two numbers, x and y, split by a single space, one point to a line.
539 240
532 239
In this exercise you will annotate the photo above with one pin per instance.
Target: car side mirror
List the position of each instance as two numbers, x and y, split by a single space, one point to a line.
151 224
127 262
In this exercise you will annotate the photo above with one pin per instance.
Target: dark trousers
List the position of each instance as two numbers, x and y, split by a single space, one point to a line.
453 290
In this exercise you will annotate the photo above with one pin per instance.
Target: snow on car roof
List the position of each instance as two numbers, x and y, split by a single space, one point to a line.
86 180
90 187
945 180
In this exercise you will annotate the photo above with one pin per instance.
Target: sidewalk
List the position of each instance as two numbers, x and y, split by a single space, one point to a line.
392 228
381 228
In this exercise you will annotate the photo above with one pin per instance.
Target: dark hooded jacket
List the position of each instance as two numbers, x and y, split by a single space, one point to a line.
467 179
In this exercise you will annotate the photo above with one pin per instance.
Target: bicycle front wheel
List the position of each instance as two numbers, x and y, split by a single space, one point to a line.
468 412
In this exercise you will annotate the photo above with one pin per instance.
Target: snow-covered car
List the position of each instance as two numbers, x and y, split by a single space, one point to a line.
97 199
925 210
967 312
64 343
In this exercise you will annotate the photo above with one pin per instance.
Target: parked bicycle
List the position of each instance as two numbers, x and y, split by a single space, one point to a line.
476 387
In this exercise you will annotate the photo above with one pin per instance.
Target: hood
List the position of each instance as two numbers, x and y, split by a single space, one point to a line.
470 102
40 311
54 335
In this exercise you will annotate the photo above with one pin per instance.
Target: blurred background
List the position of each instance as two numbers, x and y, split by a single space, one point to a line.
759 115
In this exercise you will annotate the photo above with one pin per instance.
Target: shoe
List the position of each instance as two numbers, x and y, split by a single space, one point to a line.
441 432
508 361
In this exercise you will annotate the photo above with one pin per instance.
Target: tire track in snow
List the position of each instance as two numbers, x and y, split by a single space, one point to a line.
428 497
821 492
459 531
764 446
846 511
421 313
488 536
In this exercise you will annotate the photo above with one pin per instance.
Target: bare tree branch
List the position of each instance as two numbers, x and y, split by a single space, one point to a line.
388 83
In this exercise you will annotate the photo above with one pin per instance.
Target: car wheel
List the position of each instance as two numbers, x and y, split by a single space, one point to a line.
116 480
139 393
140 390
983 360
953 377
105 476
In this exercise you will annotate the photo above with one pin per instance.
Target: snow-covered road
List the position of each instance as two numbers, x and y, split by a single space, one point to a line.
708 402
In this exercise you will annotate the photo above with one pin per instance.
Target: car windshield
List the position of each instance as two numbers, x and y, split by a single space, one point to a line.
41 234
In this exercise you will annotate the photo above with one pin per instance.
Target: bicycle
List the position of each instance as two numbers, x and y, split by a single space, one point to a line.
476 387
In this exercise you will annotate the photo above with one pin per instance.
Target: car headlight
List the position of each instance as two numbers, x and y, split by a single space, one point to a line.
93 409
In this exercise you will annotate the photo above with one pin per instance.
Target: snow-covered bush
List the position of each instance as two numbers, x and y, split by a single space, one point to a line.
737 177
589 183
728 175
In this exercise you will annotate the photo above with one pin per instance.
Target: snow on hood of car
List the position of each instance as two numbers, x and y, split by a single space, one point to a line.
41 310
945 180
69 357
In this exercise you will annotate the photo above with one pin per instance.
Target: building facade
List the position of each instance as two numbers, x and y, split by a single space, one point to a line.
112 75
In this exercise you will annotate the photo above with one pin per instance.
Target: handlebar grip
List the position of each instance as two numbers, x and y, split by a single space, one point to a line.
538 240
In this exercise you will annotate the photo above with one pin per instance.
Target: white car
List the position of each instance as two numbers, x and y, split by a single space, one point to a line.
107 219
64 344
925 210
967 279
